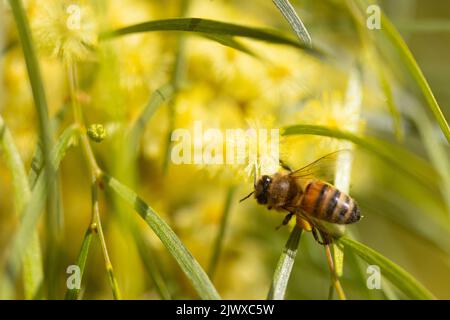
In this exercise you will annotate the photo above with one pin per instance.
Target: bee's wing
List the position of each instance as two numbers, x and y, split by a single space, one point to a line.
322 168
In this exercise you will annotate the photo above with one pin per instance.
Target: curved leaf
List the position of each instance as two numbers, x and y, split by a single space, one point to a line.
231 42
394 155
32 257
284 266
395 274
46 136
72 294
294 20
206 26
416 73
37 86
32 210
391 33
156 100
186 261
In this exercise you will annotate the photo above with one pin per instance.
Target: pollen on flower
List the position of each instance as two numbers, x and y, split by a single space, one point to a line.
331 110
263 146
65 30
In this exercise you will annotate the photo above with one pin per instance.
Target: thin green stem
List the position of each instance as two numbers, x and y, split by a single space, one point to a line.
78 117
96 175
97 227
176 78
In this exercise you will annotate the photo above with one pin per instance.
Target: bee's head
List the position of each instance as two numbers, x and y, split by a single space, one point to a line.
262 189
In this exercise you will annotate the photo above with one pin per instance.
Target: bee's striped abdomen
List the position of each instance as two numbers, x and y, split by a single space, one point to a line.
325 202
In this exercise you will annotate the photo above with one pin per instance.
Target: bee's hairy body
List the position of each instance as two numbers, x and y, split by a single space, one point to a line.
316 199
323 201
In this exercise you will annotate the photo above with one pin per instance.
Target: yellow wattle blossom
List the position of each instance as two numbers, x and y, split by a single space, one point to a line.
223 89
65 29
329 110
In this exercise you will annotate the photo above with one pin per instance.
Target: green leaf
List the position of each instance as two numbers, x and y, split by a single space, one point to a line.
32 257
284 266
428 229
395 274
178 73
400 158
393 109
338 257
294 20
46 136
157 99
206 26
72 294
186 261
416 73
160 96
31 212
231 42
15 165
391 33
435 150
37 86
38 161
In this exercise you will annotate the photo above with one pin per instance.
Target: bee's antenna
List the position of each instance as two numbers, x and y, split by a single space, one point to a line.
254 175
246 197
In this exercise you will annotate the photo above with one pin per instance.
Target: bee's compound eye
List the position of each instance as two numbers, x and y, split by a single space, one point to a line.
266 181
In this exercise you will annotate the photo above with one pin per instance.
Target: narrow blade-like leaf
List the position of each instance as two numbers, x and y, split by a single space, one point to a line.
394 155
294 20
186 261
395 274
72 294
160 96
391 33
206 26
32 257
33 209
284 266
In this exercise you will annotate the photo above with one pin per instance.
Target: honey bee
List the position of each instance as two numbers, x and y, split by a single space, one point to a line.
316 204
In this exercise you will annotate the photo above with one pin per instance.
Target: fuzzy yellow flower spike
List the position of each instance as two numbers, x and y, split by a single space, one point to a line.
65 29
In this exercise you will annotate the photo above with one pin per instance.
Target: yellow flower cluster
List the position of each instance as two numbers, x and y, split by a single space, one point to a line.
65 29
220 86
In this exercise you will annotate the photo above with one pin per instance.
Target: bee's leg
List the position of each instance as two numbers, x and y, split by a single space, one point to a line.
326 239
285 220
285 166
316 236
